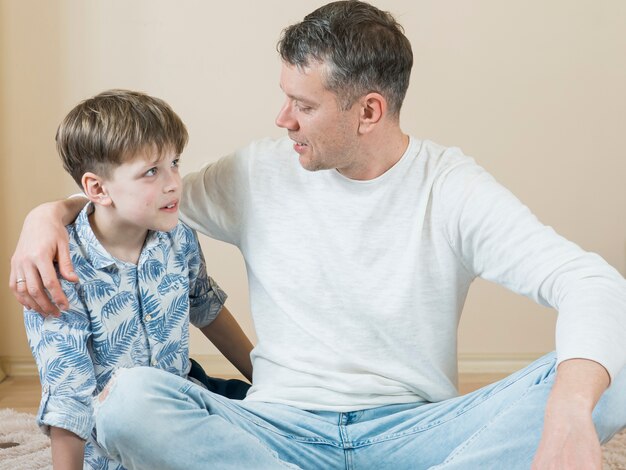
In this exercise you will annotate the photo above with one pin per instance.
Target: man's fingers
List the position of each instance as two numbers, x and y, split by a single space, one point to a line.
17 284
64 261
20 290
27 301
38 294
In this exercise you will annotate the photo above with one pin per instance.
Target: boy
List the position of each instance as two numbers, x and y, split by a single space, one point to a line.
142 274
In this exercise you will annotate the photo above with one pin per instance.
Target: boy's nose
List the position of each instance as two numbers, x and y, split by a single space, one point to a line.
172 184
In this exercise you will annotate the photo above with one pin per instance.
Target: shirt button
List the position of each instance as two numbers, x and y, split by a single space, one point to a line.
148 317
154 362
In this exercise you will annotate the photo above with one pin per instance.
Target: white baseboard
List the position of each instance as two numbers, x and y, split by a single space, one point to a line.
25 366
217 365
504 364
19 366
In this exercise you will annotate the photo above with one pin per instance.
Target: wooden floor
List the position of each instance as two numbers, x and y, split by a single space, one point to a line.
23 393
20 393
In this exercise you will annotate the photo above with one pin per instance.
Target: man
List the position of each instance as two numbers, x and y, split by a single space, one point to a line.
361 243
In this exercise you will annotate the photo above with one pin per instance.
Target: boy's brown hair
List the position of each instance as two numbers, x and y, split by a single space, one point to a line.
109 129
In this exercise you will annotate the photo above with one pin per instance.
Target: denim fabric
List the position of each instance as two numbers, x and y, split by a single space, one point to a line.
152 419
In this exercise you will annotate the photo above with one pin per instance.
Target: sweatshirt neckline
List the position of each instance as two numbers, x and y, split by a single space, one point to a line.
411 150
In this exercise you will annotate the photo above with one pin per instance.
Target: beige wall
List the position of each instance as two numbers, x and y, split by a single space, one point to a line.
534 90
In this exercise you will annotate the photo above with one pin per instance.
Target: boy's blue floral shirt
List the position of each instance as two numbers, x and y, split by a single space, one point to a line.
120 315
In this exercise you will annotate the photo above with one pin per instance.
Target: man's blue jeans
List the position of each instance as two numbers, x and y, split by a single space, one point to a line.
151 419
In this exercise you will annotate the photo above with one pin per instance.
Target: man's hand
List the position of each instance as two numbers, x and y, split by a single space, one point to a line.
569 439
43 240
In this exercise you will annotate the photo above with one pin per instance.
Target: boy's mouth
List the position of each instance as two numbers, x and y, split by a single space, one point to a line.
170 207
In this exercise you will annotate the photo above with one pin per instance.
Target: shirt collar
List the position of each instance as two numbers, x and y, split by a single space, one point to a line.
98 255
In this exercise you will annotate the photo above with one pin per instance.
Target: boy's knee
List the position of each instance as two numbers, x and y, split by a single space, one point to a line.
121 409
127 381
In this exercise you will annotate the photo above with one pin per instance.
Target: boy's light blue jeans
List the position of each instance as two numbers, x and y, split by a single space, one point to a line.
151 419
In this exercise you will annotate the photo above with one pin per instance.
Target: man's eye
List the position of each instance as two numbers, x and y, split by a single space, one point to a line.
302 108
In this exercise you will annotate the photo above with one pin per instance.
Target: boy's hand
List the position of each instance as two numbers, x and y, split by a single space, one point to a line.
43 240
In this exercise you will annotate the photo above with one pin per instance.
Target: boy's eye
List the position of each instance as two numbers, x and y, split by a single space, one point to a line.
175 162
151 172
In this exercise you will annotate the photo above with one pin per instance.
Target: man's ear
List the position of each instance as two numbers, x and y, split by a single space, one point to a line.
373 108
93 186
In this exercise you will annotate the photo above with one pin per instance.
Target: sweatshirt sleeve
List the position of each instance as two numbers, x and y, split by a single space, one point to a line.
500 240
214 198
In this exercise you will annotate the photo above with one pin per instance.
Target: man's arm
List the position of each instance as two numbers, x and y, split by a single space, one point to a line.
42 241
68 450
227 336
569 439
500 240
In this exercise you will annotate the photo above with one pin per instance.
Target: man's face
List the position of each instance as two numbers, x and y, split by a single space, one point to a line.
325 136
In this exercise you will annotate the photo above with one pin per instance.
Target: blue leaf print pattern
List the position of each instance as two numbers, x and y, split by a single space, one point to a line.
83 269
180 260
93 291
32 322
71 292
114 274
120 315
149 304
179 309
55 370
116 344
98 257
178 312
117 304
168 354
169 282
152 270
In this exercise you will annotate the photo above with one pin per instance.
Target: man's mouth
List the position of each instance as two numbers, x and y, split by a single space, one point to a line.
299 146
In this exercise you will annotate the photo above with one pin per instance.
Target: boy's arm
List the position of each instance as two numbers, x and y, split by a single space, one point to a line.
227 336
68 450
43 240
66 371
208 312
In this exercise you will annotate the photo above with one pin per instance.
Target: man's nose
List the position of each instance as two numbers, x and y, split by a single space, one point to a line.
286 119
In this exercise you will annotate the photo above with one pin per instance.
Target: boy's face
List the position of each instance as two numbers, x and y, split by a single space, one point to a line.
145 191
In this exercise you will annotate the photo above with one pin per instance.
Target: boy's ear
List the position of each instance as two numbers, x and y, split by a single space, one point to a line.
373 108
93 186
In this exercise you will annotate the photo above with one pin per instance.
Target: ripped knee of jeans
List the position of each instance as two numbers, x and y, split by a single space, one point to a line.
102 396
